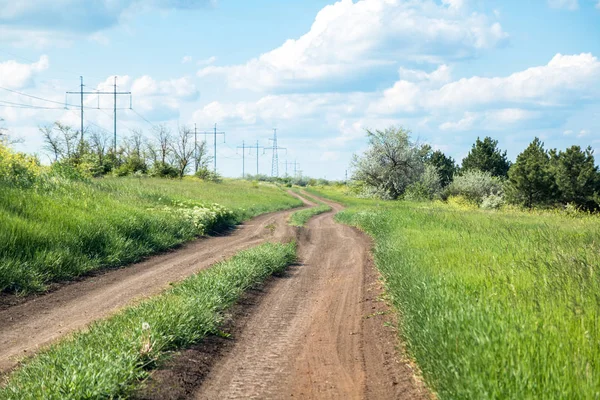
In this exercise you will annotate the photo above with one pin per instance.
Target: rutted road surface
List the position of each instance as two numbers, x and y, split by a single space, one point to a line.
315 333
26 327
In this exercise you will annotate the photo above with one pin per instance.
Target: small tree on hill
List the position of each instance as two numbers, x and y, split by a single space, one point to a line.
485 156
531 180
445 166
391 163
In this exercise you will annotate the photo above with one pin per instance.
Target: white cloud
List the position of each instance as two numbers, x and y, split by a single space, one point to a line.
491 120
598 5
583 133
186 59
349 38
208 61
565 78
564 4
14 75
568 132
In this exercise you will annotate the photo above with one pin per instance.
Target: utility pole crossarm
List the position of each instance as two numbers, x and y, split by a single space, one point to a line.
114 93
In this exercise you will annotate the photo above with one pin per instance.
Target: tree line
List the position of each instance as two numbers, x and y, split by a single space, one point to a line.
163 154
394 166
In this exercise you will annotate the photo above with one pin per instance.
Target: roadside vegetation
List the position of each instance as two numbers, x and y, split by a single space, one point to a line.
492 266
493 304
395 167
114 356
57 223
301 217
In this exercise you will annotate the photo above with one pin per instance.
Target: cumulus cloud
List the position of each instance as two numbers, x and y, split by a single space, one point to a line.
563 79
349 38
186 59
273 108
493 120
207 61
564 4
14 75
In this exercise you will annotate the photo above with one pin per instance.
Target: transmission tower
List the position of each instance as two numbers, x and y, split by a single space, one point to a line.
275 159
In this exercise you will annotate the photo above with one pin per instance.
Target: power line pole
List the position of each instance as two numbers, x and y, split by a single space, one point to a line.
195 148
81 79
257 155
215 145
243 147
275 160
114 93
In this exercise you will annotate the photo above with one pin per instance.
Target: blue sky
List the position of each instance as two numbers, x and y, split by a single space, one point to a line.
321 72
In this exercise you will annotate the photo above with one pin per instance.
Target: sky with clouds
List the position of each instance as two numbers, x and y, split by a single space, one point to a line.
321 72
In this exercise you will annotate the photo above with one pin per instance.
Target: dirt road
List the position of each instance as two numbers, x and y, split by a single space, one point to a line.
316 333
41 320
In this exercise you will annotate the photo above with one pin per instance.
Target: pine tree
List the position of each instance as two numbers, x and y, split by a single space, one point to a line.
446 167
531 181
577 176
485 156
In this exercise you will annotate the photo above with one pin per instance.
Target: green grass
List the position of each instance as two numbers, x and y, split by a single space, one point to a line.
498 305
62 229
301 217
111 358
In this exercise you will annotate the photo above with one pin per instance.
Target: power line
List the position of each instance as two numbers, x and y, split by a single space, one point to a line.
142 117
36 97
30 106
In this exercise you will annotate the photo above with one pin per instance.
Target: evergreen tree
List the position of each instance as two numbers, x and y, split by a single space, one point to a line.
576 175
531 181
445 166
485 156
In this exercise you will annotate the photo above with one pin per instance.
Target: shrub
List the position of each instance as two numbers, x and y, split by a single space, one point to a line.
207 175
18 169
428 187
492 202
475 185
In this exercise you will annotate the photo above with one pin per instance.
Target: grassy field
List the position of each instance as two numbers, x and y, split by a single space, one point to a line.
501 305
62 229
113 356
301 217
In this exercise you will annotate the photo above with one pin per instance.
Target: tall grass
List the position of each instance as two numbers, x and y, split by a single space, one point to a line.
63 229
301 217
113 356
501 305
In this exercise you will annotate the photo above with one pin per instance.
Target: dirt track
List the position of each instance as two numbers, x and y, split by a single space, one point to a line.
41 320
315 333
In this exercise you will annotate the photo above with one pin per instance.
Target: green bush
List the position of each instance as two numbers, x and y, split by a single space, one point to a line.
475 185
